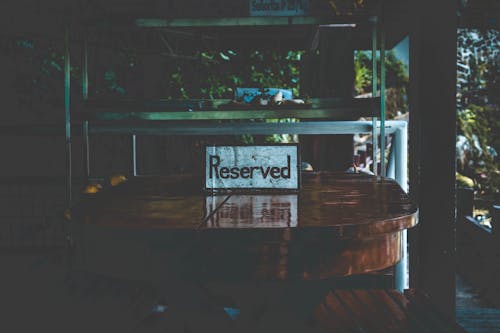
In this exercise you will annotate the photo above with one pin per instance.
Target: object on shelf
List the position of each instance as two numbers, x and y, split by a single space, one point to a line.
246 95
269 98
67 214
261 100
117 179
294 102
286 104
92 188
278 98
305 166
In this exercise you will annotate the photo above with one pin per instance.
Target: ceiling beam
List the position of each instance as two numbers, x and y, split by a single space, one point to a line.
241 21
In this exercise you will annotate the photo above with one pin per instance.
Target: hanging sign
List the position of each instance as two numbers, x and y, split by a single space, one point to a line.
279 7
252 167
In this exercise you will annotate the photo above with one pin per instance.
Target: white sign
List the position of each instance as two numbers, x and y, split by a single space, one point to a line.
279 7
251 167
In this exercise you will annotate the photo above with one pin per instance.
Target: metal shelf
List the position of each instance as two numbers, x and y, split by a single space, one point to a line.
321 119
256 128
337 113
220 109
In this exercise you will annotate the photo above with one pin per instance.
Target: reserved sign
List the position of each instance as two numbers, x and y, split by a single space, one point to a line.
252 167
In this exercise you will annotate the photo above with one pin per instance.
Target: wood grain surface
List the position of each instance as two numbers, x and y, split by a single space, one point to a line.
337 225
352 204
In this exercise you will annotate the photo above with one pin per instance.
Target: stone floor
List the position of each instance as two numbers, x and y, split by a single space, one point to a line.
38 294
474 313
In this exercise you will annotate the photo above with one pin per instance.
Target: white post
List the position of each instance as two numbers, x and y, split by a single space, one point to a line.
401 171
134 155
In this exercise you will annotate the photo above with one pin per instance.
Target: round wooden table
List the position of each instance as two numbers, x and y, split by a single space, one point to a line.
337 225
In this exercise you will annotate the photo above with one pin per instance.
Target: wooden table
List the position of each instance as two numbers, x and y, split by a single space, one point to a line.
337 225
165 230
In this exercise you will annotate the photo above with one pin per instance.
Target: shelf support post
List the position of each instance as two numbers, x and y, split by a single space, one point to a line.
85 94
134 155
374 94
382 102
67 115
401 172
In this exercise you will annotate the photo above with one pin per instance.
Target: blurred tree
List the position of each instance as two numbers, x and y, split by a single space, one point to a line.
478 140
397 80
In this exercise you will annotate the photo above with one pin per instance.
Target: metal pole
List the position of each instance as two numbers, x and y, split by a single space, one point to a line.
134 155
67 95
85 74
401 170
401 152
374 94
86 148
400 271
85 94
391 162
382 102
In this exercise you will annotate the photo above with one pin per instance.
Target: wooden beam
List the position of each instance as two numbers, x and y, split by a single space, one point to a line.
432 141
336 79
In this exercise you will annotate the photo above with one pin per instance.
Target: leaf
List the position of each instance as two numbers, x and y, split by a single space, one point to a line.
223 56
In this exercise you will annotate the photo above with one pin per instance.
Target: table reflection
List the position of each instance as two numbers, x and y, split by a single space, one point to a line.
251 211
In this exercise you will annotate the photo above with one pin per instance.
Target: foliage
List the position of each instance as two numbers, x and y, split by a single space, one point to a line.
397 80
478 120
478 71
477 159
396 101
40 76
396 71
177 85
220 72
262 69
112 83
363 79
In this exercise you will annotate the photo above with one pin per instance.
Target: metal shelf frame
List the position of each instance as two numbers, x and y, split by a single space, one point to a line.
168 123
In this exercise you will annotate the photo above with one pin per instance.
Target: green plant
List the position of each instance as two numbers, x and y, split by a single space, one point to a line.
397 80
396 72
478 118
479 125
